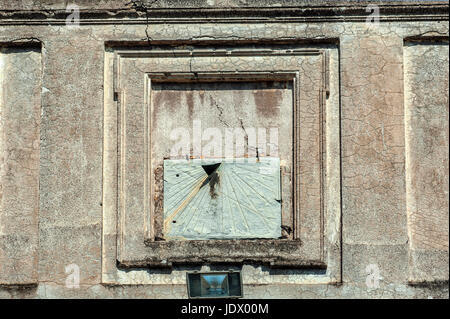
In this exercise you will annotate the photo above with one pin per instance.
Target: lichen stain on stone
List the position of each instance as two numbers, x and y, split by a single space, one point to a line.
190 103
213 178
159 200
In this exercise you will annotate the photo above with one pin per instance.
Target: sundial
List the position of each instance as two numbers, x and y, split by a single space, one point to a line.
222 199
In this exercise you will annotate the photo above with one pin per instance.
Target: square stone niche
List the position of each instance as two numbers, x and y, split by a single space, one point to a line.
215 155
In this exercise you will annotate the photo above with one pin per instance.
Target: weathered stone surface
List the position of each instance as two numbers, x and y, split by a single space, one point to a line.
70 216
59 144
20 110
373 175
427 155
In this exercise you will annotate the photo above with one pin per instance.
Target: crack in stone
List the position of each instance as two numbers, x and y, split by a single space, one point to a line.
140 6
220 109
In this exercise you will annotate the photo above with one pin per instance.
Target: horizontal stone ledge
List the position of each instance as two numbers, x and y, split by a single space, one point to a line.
144 15
274 264
276 253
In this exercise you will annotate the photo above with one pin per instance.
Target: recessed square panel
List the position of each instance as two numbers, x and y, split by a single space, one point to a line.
222 199
202 107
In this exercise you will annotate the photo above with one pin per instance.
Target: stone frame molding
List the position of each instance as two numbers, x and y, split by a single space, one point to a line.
310 248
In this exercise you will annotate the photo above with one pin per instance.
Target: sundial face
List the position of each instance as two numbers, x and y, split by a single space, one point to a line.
222 199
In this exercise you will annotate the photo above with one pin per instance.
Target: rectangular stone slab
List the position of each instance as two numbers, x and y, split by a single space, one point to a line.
222 199
426 153
20 110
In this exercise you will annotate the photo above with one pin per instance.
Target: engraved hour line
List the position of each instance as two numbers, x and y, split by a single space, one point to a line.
254 210
186 176
261 184
196 189
251 188
198 199
188 190
180 199
251 203
195 212
240 208
251 210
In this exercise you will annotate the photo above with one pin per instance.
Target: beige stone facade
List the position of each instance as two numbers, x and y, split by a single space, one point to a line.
356 95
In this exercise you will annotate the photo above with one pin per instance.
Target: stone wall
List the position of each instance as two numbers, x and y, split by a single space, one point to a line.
364 110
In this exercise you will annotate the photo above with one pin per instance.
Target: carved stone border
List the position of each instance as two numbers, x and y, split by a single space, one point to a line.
299 250
110 270
291 76
336 12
